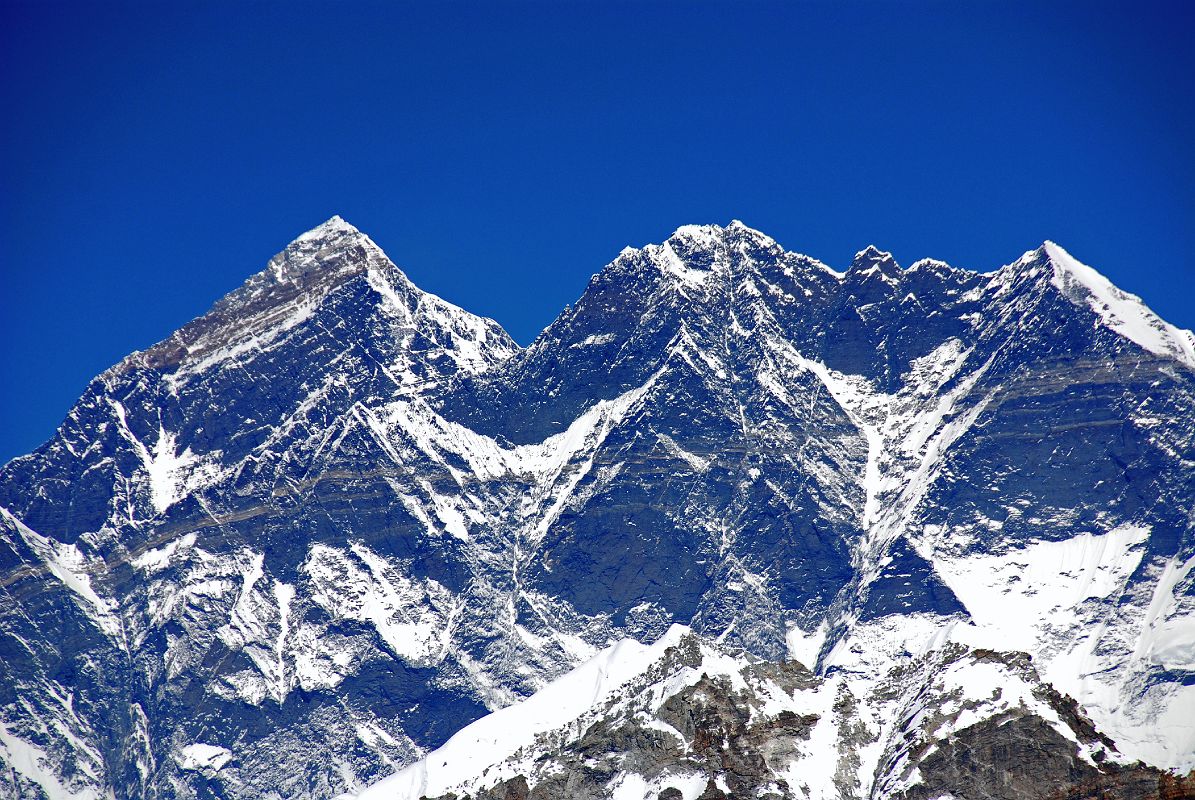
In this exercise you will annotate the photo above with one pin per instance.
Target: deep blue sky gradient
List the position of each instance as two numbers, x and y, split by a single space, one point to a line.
154 155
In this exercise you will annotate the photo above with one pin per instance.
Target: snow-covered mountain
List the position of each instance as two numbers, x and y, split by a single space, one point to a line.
305 540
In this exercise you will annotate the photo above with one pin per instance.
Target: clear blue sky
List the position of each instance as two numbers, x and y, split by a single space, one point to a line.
154 155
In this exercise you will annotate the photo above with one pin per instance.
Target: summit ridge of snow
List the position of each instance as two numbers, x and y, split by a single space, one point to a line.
334 224
1125 313
294 285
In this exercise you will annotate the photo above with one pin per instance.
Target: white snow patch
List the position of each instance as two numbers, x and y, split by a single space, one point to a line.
166 470
1018 592
160 558
804 647
629 787
206 758
595 339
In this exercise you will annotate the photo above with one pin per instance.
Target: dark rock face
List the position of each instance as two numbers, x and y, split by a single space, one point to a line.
316 531
1023 758
1010 759
724 742
907 582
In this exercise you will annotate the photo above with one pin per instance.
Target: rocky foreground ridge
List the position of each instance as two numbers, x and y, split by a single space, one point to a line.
929 532
687 718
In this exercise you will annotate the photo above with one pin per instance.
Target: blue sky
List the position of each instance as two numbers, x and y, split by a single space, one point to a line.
154 155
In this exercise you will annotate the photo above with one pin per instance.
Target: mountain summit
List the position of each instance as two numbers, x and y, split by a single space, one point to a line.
751 525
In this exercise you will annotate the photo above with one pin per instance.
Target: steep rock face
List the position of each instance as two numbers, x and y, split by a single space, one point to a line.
321 528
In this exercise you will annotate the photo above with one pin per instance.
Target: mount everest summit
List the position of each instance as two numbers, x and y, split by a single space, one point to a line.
735 525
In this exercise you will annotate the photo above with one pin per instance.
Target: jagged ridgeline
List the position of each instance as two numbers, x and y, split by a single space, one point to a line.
882 533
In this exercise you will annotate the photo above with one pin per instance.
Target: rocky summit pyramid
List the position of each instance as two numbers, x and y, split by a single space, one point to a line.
735 525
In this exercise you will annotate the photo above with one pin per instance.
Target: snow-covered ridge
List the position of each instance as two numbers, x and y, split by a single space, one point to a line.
1124 313
262 312
495 738
286 293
